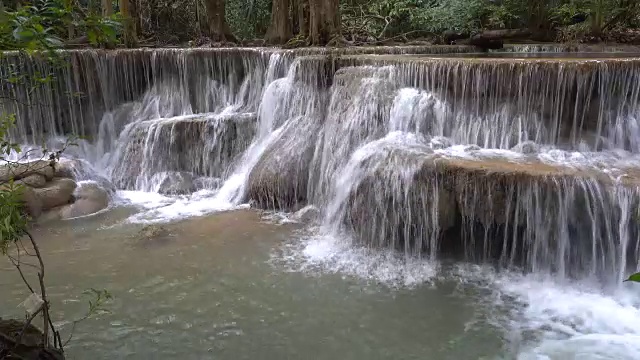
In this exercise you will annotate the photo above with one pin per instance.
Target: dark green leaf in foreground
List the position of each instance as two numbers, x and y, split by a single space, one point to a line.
634 278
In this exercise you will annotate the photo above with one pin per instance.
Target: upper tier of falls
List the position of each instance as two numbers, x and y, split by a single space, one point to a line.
529 162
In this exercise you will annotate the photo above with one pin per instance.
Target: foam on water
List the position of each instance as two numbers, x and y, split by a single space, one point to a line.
573 321
157 208
315 254
542 318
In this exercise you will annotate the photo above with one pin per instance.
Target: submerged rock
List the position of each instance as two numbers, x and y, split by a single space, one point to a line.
89 197
151 235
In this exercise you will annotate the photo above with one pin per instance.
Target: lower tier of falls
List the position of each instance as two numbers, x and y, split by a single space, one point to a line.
528 162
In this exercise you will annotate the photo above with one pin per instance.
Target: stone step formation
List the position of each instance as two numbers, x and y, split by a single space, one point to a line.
527 158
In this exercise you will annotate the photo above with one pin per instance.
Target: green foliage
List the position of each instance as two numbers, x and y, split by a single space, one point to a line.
32 27
634 278
248 19
12 220
42 24
378 19
101 30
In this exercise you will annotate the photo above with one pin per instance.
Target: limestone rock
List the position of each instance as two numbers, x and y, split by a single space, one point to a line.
175 183
204 182
526 147
67 168
57 193
33 180
278 180
400 201
204 145
307 214
32 204
90 198
22 170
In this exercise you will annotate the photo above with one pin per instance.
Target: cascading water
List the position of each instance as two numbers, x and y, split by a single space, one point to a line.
523 164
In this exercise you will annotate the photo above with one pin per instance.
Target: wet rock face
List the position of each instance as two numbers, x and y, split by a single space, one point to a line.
203 145
306 215
175 183
279 180
406 208
89 197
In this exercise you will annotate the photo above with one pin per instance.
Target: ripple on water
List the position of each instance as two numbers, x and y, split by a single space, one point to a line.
542 318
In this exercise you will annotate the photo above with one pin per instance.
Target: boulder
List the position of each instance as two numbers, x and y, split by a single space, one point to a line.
18 171
67 168
175 183
81 170
307 214
280 177
90 198
32 204
56 193
31 346
33 180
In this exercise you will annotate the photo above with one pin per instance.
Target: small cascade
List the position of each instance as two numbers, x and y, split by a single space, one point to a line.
201 145
489 161
527 162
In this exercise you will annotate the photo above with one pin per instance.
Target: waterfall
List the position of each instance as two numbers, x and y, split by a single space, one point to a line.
525 163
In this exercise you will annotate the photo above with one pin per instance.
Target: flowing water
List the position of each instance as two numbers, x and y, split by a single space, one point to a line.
466 207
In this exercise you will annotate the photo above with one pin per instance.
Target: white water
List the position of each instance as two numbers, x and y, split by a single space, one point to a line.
542 318
370 115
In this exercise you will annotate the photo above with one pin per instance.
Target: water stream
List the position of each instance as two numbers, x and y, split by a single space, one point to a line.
468 207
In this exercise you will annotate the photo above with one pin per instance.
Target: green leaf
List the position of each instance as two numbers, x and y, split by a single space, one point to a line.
634 278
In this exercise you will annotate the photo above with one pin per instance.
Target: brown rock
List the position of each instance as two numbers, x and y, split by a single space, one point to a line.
32 204
33 180
89 199
17 171
58 192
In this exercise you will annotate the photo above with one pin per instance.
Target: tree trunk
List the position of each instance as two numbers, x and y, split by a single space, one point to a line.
135 15
597 18
303 17
107 8
130 39
218 29
279 31
324 21
71 33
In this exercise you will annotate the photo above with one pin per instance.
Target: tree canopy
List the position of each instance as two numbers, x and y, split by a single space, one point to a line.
308 22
